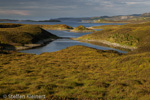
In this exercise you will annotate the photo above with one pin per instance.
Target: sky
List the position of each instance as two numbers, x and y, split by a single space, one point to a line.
47 9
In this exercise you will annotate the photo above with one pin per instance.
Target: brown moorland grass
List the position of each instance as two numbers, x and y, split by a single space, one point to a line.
20 34
132 35
105 26
77 72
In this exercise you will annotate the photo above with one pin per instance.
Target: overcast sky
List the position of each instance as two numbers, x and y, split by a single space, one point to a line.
46 9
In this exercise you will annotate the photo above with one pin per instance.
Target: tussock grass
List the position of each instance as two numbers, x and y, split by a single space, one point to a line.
133 35
106 26
20 34
77 72
9 25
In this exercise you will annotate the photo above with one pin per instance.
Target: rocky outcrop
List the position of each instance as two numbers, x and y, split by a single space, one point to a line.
81 28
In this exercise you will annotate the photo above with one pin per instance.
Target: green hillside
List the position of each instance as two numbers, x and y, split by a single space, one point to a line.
20 34
129 35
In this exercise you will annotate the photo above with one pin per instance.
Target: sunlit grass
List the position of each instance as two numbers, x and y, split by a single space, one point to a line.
133 35
20 34
76 72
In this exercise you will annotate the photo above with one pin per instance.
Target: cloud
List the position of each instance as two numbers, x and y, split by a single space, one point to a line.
138 3
70 8
15 12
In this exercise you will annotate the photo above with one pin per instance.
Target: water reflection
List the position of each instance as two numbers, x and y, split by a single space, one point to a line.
60 44
67 33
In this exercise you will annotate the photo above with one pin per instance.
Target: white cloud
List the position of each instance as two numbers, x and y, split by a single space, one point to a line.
138 2
15 12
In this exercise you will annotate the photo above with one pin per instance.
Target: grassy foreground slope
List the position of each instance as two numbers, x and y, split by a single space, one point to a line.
77 72
20 34
130 35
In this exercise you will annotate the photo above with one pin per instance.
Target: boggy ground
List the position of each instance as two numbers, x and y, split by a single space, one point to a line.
77 72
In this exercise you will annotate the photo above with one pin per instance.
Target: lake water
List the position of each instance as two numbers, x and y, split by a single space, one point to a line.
60 44
70 23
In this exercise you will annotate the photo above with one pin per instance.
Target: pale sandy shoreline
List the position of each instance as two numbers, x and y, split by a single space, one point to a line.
108 43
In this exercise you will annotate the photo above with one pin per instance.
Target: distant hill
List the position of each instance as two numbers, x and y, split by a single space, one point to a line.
97 19
120 18
70 19
146 15
2 20
51 20
9 20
